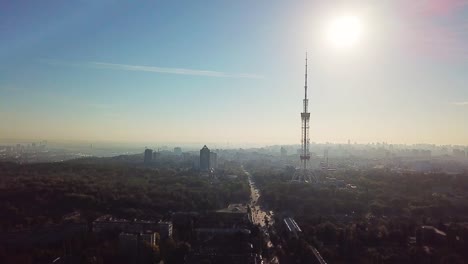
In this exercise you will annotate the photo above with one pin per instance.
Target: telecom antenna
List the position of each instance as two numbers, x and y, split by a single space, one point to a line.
303 174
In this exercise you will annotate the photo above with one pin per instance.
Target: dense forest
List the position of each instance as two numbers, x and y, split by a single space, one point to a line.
371 216
33 195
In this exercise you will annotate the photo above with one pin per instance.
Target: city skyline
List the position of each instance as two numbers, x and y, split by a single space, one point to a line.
233 72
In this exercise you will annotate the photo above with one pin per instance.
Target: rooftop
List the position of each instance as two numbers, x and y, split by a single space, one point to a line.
234 208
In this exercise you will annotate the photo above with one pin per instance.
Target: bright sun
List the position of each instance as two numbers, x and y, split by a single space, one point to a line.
344 31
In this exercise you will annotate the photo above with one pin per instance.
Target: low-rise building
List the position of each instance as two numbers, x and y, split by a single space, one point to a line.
108 222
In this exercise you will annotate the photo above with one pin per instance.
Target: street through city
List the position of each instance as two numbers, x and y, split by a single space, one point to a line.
260 216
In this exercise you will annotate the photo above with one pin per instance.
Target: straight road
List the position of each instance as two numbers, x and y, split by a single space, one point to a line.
259 215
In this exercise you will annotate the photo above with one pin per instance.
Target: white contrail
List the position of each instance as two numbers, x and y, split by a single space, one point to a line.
182 71
460 103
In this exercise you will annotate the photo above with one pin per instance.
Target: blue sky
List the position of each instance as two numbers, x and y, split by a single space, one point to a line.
232 71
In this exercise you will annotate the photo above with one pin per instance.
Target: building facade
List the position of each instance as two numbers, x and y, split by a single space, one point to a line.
178 151
148 156
213 160
205 159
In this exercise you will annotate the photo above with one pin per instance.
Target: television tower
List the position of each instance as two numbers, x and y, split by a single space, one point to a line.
303 174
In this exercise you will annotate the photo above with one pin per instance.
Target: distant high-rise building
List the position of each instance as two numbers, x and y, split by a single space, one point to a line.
196 163
426 153
205 158
457 153
213 160
325 156
186 156
283 152
148 156
156 155
177 151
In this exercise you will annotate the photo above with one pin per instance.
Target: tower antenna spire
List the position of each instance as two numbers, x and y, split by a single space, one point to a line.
305 86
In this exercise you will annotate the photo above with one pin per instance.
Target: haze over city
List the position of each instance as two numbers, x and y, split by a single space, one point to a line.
233 71
234 132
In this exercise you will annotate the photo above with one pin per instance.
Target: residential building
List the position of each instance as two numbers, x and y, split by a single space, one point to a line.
213 160
205 159
148 156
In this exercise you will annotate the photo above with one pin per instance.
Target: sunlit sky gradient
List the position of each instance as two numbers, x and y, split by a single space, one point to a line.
232 71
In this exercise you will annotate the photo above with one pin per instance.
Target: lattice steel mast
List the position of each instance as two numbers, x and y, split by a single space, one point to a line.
303 173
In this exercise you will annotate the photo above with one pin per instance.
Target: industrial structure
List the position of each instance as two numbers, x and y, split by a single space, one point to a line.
303 174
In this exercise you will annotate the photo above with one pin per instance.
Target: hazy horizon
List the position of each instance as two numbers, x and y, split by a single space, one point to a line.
233 72
197 145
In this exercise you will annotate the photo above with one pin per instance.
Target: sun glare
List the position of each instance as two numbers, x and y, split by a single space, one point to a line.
344 31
